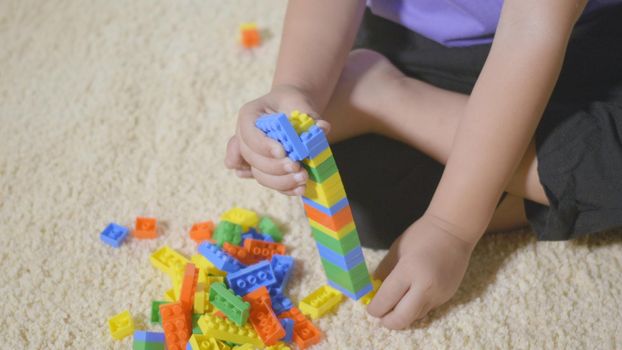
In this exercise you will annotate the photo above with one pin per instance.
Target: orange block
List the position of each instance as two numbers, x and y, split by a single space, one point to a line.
249 36
263 250
188 287
240 253
145 228
335 222
305 333
202 231
219 313
263 319
176 325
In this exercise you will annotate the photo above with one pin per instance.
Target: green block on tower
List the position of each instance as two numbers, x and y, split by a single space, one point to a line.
322 171
341 246
353 280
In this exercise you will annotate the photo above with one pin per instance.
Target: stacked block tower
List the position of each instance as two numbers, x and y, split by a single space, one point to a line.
325 201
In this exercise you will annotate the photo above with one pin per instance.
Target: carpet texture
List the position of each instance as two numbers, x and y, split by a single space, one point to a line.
113 109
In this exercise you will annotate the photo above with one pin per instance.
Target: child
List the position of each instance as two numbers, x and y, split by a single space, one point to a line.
535 114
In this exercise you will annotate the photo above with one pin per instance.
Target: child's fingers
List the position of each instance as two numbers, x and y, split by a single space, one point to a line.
391 291
298 191
253 137
280 182
388 262
282 166
233 156
244 173
324 125
405 312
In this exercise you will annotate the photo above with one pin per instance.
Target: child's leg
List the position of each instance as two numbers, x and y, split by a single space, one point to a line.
373 96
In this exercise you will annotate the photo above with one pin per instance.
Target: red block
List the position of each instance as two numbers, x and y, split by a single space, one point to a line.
176 324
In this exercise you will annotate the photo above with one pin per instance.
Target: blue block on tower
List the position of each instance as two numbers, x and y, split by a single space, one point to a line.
276 126
359 294
328 211
314 141
346 262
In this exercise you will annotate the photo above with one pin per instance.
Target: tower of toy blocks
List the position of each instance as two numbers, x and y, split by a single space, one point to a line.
325 201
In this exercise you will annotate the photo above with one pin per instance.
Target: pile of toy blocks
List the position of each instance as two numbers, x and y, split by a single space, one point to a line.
231 295
325 201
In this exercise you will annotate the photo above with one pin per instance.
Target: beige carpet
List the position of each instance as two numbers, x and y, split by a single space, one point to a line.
112 109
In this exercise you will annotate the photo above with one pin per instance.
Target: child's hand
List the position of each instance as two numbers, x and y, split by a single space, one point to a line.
252 154
425 266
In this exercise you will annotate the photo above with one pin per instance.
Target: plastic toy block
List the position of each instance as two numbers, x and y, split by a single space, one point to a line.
314 140
202 263
280 303
288 325
230 304
340 246
240 216
353 280
252 277
263 319
121 325
352 295
322 172
150 337
195 323
114 235
259 296
170 296
316 161
252 234
228 232
168 260
244 347
155 311
328 193
141 345
334 222
334 234
305 333
262 249
199 304
249 35
282 266
300 121
202 231
277 127
146 228
365 300
279 346
226 330
176 323
320 302
204 342
267 226
326 210
188 287
240 254
219 258
346 262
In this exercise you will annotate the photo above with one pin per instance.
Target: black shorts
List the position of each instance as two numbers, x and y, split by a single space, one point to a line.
578 140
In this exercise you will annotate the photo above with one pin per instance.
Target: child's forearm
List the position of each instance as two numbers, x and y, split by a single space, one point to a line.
502 113
317 36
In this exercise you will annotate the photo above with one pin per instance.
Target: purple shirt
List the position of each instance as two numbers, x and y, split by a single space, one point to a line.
453 22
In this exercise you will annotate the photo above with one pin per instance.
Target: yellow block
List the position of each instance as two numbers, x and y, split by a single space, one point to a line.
199 293
279 346
328 193
205 342
245 347
224 329
169 295
320 302
240 216
168 260
319 159
121 325
366 299
335 234
301 121
202 263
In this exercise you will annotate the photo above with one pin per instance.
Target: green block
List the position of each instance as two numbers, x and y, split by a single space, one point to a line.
223 298
228 232
267 226
155 311
143 345
342 246
353 280
322 171
195 324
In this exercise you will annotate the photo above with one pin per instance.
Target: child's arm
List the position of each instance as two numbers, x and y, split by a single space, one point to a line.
500 118
317 37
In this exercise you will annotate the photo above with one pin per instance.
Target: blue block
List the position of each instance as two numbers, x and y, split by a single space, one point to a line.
359 294
277 127
252 277
252 234
114 234
346 262
282 266
219 258
288 325
328 211
314 141
149 337
280 303
188 346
